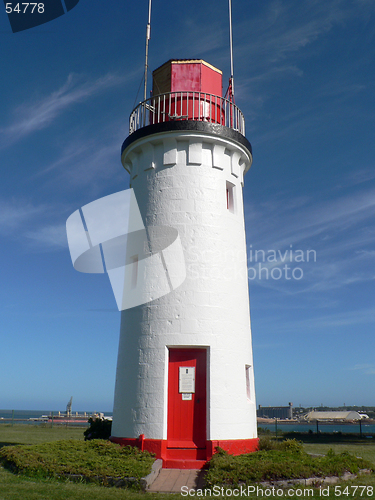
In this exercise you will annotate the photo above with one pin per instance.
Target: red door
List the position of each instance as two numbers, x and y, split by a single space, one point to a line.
187 398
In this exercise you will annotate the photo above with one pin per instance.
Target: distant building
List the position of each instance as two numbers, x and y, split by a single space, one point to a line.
341 416
282 412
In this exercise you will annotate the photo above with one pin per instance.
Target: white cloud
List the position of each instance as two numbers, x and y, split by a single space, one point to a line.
41 113
91 162
28 224
339 230
358 177
48 237
14 214
284 30
322 324
278 40
366 368
311 219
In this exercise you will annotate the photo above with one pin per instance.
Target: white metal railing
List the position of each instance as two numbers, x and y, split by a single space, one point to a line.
198 106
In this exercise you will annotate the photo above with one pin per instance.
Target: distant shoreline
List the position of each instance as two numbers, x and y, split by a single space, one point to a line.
261 420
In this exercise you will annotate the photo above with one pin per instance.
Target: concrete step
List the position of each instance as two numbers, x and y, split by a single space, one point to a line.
173 480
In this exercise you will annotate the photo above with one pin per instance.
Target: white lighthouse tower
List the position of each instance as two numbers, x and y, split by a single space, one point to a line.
185 382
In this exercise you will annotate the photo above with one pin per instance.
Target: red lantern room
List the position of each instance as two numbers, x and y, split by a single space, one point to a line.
187 90
187 75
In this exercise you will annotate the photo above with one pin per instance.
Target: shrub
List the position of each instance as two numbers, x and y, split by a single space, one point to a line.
292 445
278 460
262 431
100 428
92 460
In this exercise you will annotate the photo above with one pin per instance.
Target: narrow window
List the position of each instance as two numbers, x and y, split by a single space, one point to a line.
134 271
230 196
247 371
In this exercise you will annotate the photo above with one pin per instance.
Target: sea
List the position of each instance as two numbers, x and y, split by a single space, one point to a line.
367 429
29 416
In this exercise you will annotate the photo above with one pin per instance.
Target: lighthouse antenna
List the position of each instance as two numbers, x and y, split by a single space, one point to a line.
231 80
148 36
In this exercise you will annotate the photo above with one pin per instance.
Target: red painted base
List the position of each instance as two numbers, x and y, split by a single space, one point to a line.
188 458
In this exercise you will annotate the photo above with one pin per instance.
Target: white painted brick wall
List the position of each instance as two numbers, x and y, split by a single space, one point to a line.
180 181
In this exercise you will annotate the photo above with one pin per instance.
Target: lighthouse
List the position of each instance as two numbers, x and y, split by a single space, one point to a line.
185 379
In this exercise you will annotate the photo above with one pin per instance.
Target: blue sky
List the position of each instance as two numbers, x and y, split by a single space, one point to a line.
304 78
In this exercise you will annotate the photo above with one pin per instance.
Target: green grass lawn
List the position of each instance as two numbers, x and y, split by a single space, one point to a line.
13 487
364 450
17 487
35 434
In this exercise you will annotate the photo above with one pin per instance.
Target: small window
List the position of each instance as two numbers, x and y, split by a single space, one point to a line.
230 196
247 371
134 271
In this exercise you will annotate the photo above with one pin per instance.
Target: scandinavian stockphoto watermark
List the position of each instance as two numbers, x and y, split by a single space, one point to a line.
108 236
145 263
278 264
222 261
351 491
25 15
247 491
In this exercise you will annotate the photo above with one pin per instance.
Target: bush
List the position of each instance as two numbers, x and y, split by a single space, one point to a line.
266 443
292 445
93 459
262 431
100 428
278 460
